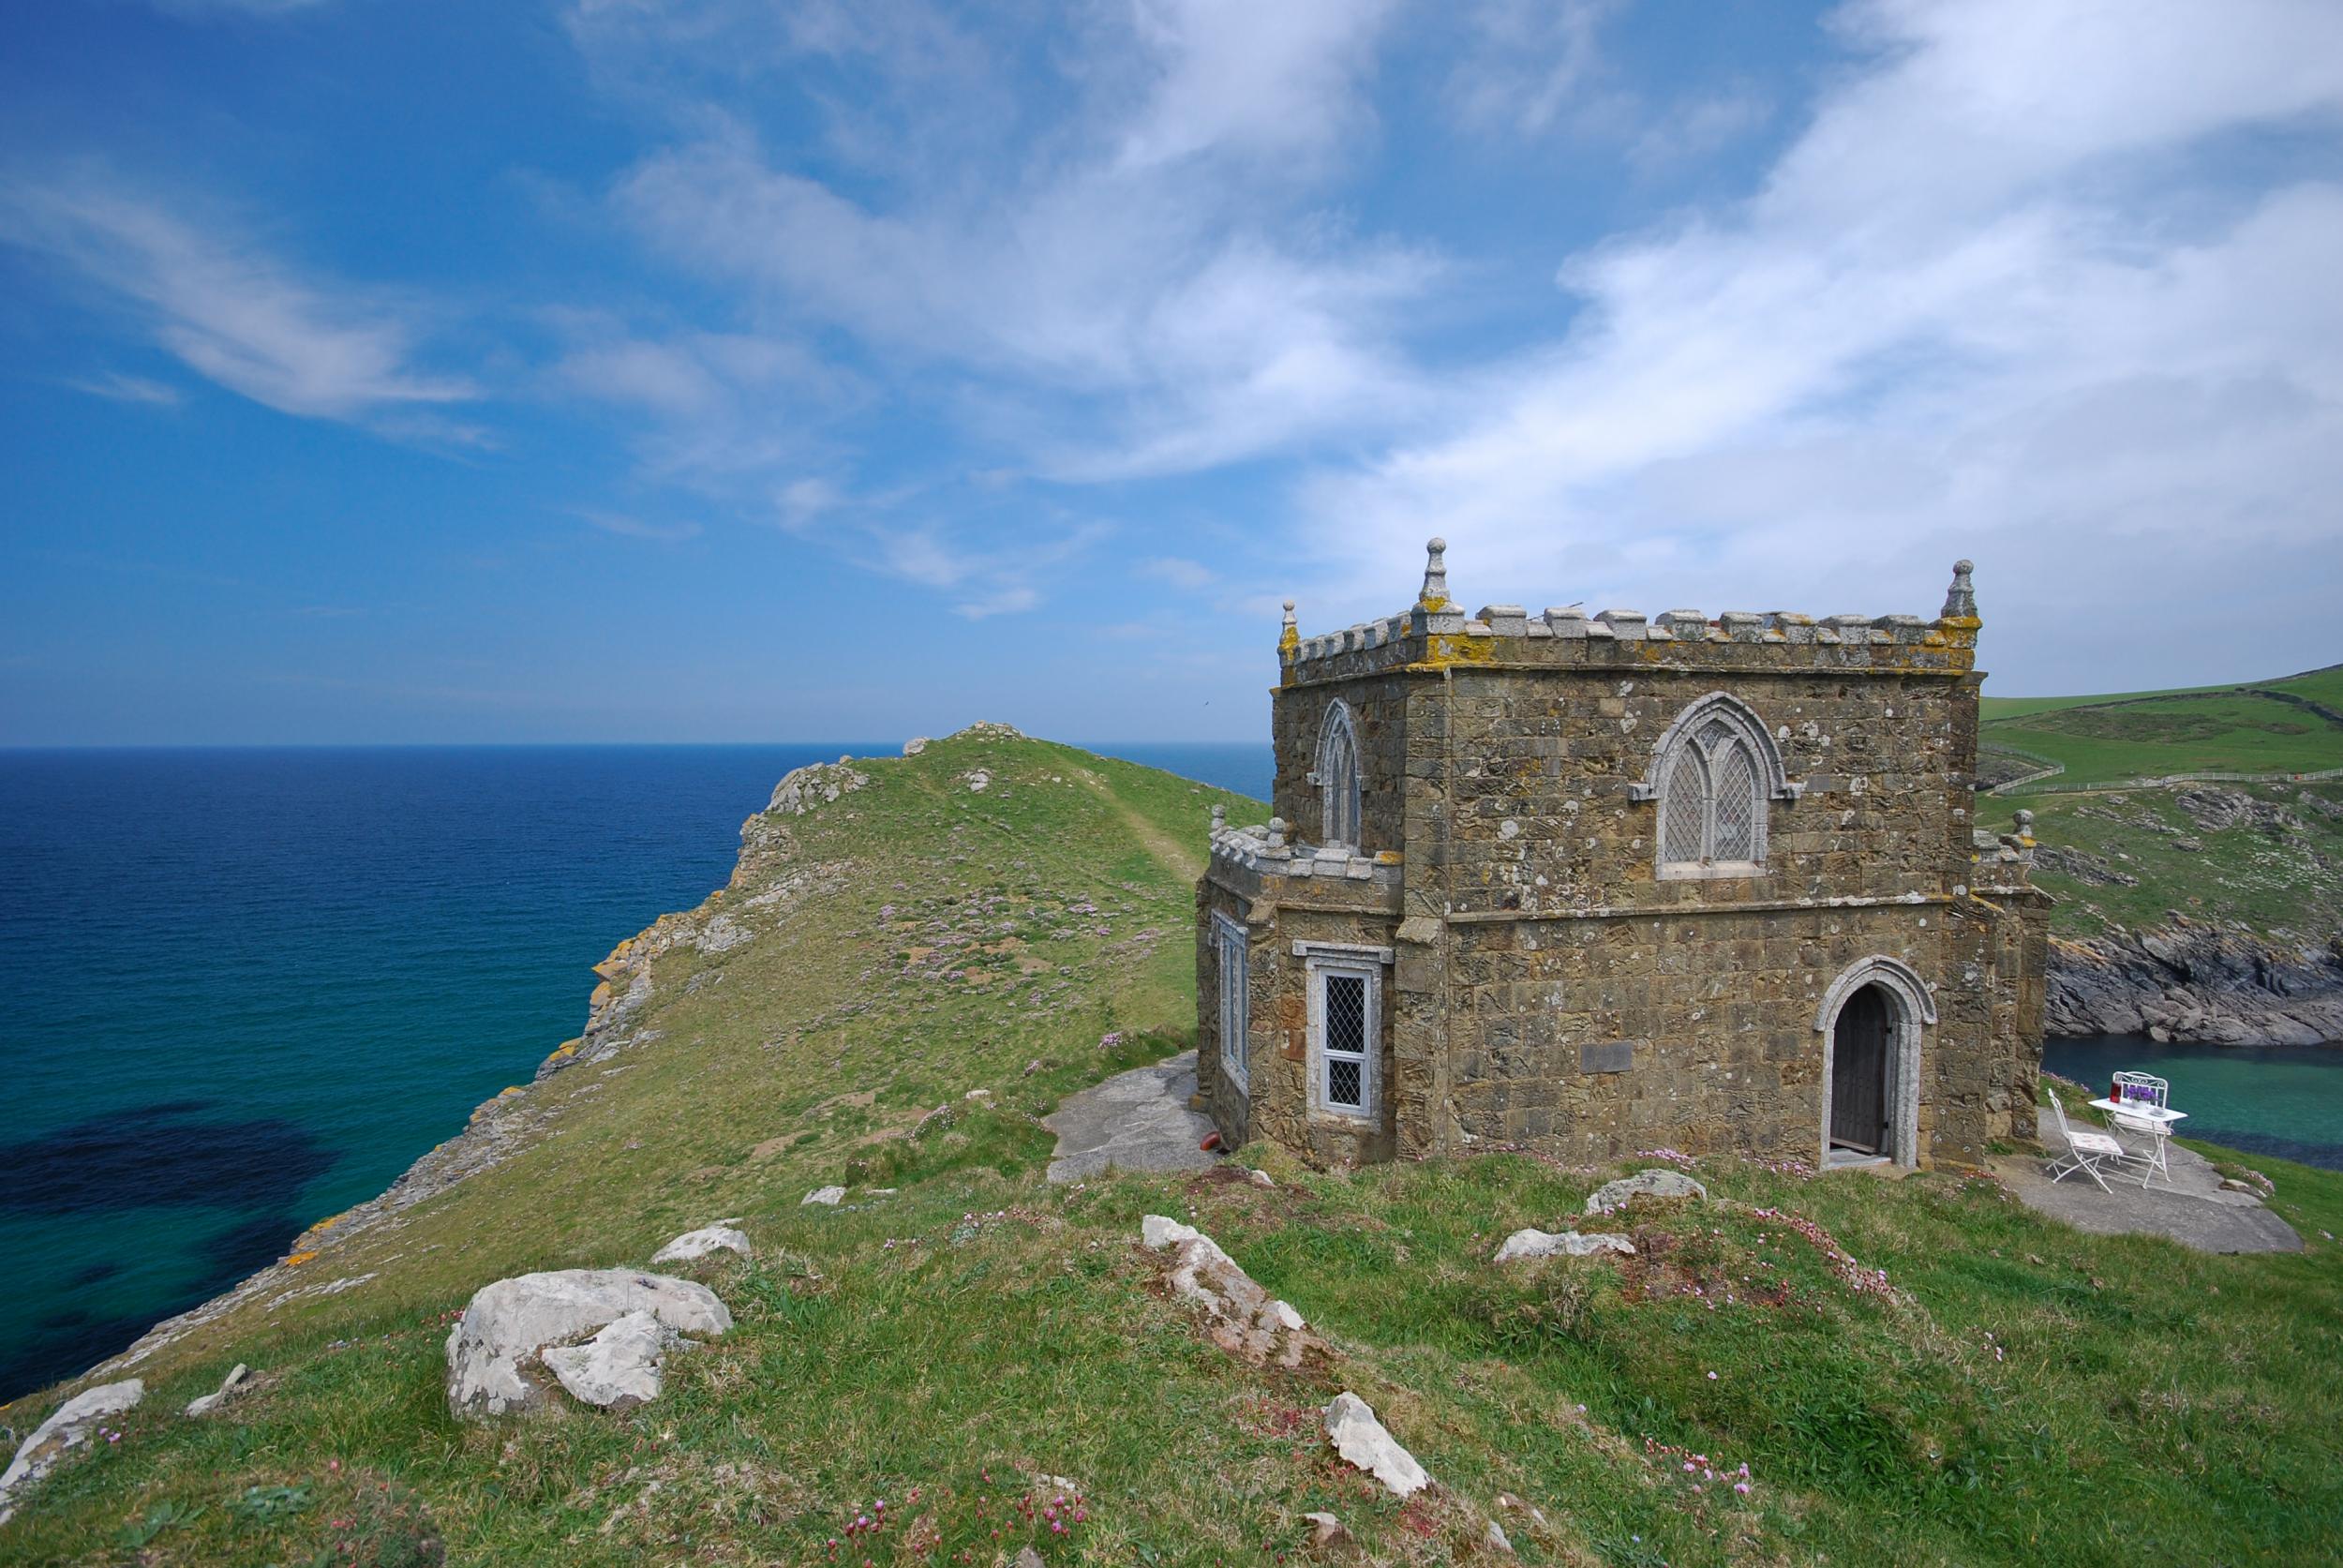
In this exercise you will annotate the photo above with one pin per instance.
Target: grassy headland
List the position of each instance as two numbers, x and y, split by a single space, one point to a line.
1912 1371
2129 858
2270 726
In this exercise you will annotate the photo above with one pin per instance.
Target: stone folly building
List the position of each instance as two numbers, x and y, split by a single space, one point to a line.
1595 886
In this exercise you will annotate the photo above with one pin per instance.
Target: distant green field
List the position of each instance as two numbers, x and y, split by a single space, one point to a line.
2250 728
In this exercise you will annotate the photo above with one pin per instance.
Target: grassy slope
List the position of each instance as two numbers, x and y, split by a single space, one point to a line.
2143 735
2030 1394
2280 876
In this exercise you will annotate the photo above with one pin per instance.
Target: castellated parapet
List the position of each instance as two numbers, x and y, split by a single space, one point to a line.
1591 884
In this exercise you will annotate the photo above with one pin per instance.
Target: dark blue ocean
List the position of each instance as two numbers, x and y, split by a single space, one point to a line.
241 989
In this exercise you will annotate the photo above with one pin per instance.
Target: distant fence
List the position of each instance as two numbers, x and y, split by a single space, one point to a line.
2046 768
2207 777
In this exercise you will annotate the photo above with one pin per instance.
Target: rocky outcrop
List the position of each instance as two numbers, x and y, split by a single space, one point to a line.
818 784
1242 1317
512 1322
2197 984
68 1428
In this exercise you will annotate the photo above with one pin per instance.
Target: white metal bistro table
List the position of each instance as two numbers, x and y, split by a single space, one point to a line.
2161 1117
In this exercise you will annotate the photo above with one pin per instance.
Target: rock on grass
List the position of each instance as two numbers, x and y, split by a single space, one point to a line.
510 1323
1568 1244
1361 1439
68 1428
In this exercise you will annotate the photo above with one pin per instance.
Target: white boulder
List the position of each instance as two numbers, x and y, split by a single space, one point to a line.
700 1243
618 1369
508 1324
823 1195
1654 1183
204 1404
1567 1243
1361 1441
66 1429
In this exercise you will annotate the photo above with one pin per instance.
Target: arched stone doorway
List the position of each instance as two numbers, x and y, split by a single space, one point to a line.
1872 1020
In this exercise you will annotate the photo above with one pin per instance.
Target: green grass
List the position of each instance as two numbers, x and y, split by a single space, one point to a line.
1994 709
2126 858
2019 1394
2278 872
2243 729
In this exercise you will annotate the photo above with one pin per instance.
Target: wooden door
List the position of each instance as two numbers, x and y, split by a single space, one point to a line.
1859 1074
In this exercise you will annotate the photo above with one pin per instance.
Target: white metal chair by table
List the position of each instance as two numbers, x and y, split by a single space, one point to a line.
2142 1086
2086 1150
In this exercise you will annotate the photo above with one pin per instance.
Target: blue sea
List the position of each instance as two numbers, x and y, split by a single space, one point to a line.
2281 1100
241 989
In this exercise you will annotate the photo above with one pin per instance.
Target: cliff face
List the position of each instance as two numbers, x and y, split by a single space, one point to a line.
2197 984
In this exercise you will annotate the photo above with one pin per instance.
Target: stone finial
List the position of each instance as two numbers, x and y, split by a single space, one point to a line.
1219 819
2025 824
1291 637
1276 832
1961 598
1435 594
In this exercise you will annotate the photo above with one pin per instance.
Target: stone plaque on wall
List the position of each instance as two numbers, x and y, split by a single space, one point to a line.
1609 1056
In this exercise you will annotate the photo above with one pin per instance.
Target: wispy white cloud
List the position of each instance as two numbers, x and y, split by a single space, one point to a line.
1530 66
1235 76
2005 292
1154 260
123 388
219 301
716 410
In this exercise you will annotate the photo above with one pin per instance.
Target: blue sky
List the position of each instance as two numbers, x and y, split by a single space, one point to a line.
742 369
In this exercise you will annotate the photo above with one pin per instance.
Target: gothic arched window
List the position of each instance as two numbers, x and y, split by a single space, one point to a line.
1713 774
1337 777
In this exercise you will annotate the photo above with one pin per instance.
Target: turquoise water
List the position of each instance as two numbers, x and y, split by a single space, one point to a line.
242 990
2284 1100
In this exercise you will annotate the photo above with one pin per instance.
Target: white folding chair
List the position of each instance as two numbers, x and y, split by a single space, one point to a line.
2143 1086
2086 1151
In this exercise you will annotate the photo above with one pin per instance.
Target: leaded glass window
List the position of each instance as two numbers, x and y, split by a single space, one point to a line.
1736 797
1713 796
1234 1006
1683 810
1346 999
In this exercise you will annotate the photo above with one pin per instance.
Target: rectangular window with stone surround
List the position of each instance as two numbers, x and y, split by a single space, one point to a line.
1346 1008
1230 940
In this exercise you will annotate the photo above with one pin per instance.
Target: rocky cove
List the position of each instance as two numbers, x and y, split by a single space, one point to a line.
2189 982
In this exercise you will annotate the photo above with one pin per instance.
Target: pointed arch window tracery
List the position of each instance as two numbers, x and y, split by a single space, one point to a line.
1337 776
1714 773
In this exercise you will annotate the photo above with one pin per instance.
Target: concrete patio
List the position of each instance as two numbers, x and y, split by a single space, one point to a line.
1137 1120
2195 1210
